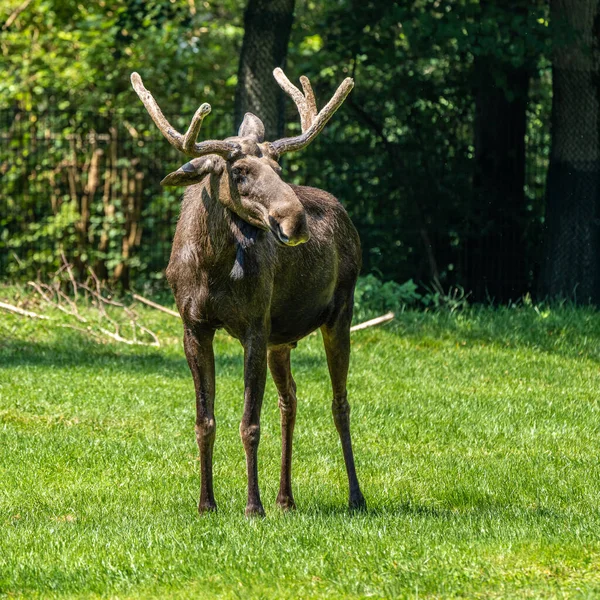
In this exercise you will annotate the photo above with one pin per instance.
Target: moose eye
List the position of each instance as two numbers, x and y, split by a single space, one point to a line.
238 175
240 178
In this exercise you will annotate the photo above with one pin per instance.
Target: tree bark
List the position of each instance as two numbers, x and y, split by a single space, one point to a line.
268 25
572 253
498 267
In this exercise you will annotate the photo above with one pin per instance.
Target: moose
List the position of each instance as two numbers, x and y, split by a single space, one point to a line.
267 261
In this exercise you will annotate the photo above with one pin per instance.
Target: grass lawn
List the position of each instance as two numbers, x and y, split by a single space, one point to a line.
477 440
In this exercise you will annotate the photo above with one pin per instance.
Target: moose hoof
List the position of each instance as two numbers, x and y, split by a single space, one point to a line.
358 503
286 503
255 510
206 507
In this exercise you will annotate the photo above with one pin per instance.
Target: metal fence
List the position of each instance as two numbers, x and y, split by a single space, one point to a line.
86 187
89 188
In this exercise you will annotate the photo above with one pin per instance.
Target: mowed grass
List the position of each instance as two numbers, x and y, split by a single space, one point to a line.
477 441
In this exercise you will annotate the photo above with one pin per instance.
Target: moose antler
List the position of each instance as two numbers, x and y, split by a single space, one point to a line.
311 122
184 143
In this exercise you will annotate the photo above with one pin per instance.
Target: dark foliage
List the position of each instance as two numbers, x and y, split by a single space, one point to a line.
440 153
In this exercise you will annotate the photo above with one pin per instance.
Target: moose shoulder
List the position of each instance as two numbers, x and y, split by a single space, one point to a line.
268 262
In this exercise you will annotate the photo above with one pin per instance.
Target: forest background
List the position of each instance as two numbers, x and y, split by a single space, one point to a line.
467 154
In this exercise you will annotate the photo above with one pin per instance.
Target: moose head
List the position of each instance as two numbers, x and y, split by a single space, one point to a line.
244 173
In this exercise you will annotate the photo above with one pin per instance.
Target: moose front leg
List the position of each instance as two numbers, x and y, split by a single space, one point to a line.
199 353
279 364
255 374
336 337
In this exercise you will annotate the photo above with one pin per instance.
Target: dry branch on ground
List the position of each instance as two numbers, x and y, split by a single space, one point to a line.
95 300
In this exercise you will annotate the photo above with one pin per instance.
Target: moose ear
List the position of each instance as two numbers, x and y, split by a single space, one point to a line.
193 171
252 127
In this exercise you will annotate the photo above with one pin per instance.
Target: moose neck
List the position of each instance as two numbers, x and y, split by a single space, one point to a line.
221 238
246 236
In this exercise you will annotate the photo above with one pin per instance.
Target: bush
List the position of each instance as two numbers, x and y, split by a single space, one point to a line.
374 297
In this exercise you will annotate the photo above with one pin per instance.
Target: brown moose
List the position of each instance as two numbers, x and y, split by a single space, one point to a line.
267 261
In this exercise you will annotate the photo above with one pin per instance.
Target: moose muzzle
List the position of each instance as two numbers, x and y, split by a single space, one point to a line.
289 226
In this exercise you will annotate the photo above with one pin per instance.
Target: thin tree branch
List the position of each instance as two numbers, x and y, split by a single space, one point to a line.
371 323
15 13
70 272
22 312
49 301
155 305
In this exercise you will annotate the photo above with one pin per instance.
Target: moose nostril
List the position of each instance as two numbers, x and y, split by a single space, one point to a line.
290 231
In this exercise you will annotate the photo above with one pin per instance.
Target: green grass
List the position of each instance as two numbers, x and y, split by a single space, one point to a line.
477 439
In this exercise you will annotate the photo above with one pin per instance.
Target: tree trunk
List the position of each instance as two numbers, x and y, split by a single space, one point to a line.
572 252
497 250
268 24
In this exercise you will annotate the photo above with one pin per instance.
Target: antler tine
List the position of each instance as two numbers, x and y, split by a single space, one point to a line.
154 111
189 139
311 103
297 96
187 143
312 123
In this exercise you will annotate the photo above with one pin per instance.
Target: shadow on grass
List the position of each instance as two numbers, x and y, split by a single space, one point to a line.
481 508
394 508
87 354
563 331
79 352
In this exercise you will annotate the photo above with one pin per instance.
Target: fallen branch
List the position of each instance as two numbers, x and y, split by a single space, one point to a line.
118 338
100 297
114 336
377 321
155 305
22 312
52 294
151 334
37 287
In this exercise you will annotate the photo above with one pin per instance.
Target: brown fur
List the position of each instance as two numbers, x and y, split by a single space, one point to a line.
269 263
298 287
226 273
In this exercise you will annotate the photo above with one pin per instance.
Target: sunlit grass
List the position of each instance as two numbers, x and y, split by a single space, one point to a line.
477 439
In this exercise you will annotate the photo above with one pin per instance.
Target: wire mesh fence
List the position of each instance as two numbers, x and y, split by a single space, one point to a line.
88 186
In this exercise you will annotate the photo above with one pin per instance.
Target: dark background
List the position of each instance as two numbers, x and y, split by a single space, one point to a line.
467 154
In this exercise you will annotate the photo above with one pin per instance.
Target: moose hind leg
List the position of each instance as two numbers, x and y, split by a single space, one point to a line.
255 375
279 365
336 337
199 353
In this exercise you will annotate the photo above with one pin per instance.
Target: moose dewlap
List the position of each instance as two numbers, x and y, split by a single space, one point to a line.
268 262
